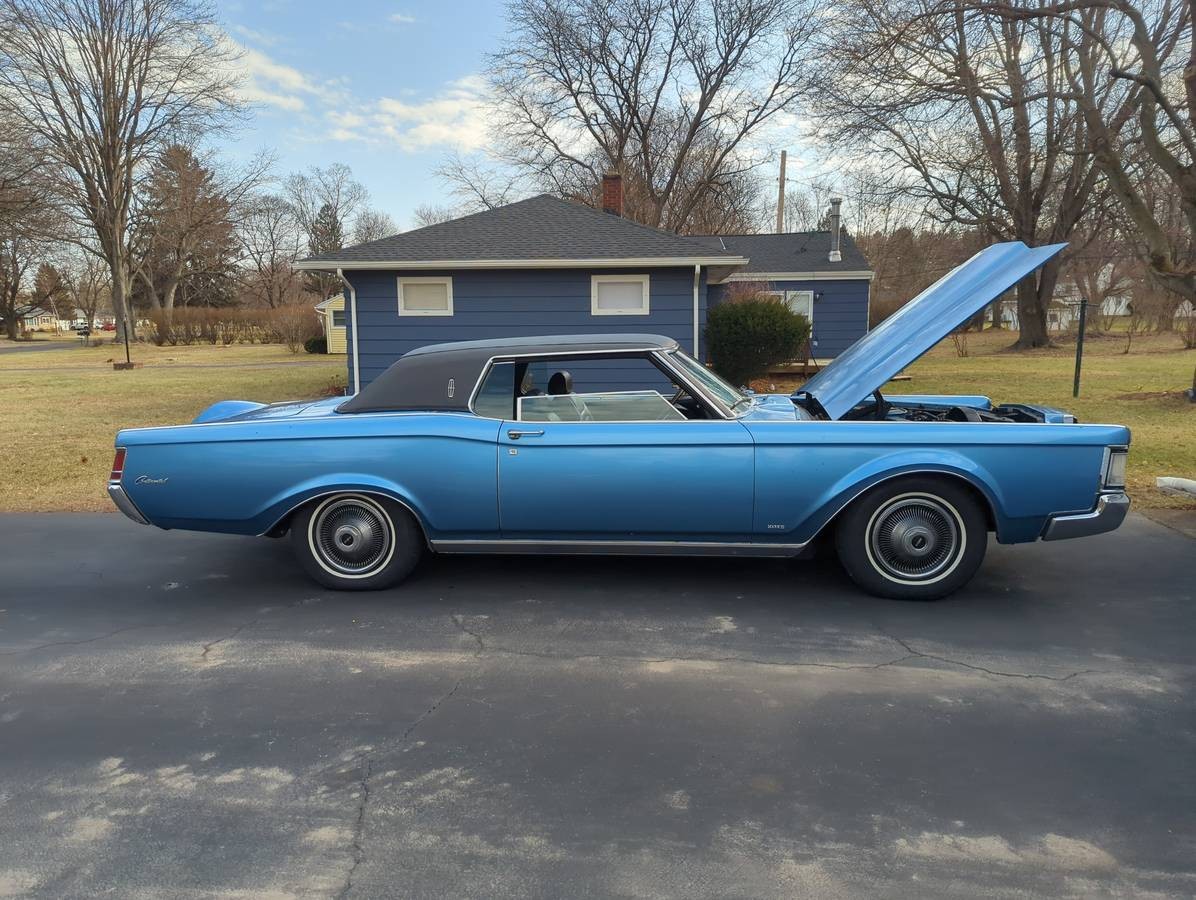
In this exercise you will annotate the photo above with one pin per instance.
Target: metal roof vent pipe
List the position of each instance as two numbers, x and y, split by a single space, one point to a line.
836 217
612 193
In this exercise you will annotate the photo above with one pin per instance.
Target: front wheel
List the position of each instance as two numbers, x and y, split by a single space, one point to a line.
913 539
355 542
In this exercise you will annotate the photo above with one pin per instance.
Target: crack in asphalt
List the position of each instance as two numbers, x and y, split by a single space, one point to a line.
358 829
915 653
459 621
90 640
207 648
910 653
358 843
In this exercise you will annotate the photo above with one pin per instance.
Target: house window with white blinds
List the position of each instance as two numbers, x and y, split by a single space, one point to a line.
426 296
619 295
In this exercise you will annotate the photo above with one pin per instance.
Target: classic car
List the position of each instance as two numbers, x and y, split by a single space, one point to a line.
499 446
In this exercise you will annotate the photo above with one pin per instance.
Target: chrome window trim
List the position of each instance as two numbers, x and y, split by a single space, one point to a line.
625 351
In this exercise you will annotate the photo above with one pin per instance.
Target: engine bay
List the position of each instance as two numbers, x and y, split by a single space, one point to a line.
879 408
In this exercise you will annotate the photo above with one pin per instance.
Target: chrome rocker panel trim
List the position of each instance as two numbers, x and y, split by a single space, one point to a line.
1110 512
619 548
124 504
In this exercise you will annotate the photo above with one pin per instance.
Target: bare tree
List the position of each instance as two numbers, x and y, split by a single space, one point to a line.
270 239
668 93
102 86
980 110
476 184
1144 50
335 187
325 201
372 225
88 281
185 221
428 214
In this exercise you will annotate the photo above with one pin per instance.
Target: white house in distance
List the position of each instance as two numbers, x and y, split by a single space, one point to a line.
332 317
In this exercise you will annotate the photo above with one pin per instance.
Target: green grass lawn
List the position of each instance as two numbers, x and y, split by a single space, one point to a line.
60 409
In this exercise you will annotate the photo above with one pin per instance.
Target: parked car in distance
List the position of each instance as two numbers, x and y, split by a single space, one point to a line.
520 446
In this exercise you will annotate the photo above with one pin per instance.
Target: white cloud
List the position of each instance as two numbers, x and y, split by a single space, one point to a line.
458 116
403 19
271 83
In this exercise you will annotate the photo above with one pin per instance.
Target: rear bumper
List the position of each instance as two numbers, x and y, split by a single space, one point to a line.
124 504
1110 512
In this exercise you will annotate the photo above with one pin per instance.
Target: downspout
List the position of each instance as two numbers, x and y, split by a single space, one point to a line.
352 318
697 282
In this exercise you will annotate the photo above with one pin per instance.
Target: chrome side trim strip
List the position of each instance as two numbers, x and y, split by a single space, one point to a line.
618 548
125 504
1111 510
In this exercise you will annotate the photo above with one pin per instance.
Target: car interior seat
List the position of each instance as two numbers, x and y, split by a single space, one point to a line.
560 383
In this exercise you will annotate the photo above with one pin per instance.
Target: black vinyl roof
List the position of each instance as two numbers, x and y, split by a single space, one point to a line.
442 376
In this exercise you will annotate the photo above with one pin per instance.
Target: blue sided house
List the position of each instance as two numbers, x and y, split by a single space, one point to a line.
550 266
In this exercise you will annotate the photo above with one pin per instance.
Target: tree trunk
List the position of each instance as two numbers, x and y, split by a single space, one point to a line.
1032 316
996 311
120 299
10 327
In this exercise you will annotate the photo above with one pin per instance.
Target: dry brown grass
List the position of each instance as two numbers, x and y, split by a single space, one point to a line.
60 409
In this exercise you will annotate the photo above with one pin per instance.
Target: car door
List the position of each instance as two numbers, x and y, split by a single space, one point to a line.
632 480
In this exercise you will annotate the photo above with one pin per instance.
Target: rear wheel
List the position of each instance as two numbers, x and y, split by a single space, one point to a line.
356 542
913 539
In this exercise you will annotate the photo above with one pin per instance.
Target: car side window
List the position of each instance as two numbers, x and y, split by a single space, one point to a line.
496 398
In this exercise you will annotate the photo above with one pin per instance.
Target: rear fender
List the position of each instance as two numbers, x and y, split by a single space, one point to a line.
281 507
858 481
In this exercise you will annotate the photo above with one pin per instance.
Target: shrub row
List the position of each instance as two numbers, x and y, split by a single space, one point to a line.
288 325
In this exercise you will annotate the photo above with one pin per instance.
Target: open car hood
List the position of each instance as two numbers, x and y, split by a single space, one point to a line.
924 321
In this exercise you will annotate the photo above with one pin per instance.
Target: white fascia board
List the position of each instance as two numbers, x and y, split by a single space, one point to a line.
655 261
856 275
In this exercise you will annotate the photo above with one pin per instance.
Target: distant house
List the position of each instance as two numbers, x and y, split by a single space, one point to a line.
549 266
332 318
37 318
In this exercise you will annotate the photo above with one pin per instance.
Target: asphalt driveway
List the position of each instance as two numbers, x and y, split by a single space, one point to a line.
185 716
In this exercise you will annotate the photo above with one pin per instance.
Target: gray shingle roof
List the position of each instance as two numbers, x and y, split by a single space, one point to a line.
542 227
801 251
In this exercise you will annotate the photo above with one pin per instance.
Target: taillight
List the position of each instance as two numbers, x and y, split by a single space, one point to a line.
118 465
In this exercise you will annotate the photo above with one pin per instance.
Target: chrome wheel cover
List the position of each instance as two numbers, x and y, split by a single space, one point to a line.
351 536
915 538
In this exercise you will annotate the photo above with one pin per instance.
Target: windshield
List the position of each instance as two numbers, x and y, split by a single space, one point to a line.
710 382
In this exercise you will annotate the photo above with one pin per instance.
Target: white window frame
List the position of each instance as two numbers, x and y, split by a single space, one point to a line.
644 280
786 297
446 280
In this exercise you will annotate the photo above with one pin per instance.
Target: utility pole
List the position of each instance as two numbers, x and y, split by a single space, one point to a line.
1075 385
781 196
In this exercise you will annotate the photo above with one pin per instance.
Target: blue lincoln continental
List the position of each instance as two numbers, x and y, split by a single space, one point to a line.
506 446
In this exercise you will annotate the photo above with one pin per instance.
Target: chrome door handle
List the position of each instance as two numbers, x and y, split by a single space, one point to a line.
515 433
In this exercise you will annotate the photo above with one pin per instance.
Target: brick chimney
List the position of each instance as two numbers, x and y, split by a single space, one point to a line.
836 217
612 193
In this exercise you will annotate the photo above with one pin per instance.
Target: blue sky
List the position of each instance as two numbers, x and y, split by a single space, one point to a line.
386 88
